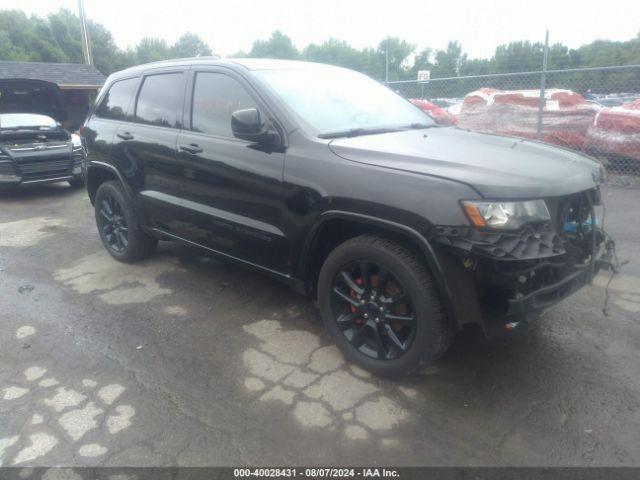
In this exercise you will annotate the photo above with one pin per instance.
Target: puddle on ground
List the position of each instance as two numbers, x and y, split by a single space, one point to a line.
62 414
117 283
27 232
292 368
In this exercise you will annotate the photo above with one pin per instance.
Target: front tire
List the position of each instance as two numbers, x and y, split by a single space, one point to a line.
380 305
119 225
77 182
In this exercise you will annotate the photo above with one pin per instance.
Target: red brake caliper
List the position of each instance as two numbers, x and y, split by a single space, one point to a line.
353 294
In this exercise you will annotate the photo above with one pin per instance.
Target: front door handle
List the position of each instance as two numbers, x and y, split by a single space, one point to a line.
125 136
192 148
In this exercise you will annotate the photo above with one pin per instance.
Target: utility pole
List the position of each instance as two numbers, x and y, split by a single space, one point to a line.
86 46
386 62
543 84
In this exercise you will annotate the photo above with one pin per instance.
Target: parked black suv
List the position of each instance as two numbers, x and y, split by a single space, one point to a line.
329 181
34 147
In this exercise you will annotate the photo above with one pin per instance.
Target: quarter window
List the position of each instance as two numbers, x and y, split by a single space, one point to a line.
160 100
215 97
116 102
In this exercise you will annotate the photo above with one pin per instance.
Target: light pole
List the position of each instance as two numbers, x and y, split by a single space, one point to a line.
86 47
386 62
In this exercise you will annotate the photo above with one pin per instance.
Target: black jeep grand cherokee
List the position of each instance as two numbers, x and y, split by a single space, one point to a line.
329 181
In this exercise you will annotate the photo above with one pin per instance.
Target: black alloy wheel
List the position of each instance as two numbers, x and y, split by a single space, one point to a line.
119 225
380 304
373 310
113 224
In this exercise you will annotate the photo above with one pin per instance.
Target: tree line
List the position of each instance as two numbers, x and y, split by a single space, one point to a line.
56 38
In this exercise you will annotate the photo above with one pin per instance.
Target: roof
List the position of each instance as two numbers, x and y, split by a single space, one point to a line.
65 75
277 64
248 63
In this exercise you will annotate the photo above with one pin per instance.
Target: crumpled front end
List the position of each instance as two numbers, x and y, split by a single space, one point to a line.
504 278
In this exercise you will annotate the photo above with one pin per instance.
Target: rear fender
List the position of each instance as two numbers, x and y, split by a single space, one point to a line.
94 171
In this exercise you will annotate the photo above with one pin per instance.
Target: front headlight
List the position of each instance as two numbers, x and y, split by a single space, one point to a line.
76 141
506 215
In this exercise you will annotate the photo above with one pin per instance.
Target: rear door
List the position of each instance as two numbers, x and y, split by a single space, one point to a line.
145 147
232 189
113 108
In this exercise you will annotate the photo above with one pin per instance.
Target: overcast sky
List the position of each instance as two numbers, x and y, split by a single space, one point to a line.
231 25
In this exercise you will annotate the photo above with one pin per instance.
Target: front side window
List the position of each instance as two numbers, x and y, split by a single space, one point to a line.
215 97
160 100
116 101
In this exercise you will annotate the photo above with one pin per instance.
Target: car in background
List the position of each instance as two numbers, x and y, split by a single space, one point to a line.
439 114
34 146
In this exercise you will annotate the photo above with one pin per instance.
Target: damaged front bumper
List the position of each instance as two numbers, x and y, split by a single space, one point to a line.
546 296
505 279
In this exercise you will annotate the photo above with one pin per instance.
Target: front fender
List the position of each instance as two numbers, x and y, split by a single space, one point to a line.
430 256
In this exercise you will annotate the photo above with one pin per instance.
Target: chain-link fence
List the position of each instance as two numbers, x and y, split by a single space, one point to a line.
592 110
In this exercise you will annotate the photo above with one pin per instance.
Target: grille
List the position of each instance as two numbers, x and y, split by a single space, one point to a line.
6 167
45 169
39 147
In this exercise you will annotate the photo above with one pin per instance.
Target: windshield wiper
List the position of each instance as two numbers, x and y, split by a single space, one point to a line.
356 132
25 127
420 126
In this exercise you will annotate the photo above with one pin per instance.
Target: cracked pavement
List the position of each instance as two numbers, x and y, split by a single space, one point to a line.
186 361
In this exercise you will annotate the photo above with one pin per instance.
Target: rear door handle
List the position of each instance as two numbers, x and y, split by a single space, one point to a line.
192 148
125 136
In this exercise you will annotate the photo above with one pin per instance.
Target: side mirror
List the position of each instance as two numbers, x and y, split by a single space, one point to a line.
248 125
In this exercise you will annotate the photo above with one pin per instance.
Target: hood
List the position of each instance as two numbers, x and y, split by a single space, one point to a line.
30 127
495 166
22 95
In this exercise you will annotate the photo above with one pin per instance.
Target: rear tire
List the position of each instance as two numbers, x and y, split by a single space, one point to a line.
119 225
401 345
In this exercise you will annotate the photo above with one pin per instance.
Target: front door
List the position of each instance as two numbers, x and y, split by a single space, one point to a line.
232 188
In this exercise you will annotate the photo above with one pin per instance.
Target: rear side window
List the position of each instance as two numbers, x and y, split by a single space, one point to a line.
215 97
116 101
160 100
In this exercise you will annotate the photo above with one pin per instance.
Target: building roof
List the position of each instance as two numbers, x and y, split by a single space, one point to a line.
65 75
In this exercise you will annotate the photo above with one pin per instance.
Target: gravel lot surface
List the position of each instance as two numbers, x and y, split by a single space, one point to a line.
183 360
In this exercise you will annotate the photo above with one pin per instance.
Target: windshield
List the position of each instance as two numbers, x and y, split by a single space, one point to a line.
26 120
340 100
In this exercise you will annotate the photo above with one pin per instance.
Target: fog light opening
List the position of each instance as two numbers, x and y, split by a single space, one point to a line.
511 326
